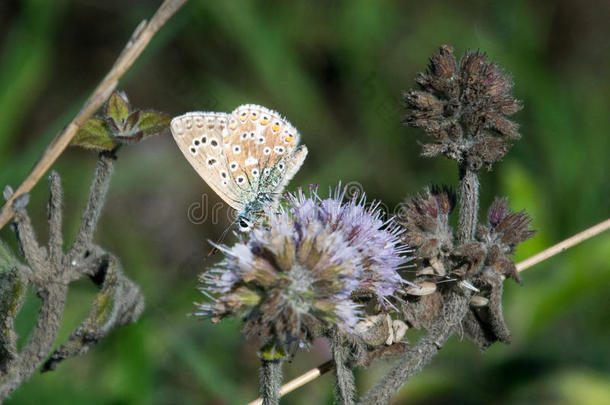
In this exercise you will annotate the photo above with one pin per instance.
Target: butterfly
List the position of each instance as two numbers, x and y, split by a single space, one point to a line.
247 157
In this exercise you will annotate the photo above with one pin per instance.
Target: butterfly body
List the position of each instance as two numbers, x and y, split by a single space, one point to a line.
247 157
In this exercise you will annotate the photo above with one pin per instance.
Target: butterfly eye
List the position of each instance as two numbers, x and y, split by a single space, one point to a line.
244 225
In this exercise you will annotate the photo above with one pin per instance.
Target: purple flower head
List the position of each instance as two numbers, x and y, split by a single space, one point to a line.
381 252
295 274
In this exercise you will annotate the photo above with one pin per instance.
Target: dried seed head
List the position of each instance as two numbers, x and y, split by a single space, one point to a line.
426 219
464 109
501 235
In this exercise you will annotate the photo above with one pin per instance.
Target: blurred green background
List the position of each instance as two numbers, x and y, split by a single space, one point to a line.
336 69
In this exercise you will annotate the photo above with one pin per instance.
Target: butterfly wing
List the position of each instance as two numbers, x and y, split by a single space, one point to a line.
247 157
261 149
293 164
201 137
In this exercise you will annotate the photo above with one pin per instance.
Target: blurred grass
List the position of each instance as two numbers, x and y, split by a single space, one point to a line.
336 70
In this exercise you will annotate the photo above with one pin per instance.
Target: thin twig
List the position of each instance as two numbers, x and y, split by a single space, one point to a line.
574 240
564 245
301 380
136 44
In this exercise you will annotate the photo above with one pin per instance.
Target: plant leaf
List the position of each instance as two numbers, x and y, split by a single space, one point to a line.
94 134
133 120
153 123
118 107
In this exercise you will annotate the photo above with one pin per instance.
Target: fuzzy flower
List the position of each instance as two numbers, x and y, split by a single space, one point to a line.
463 108
381 252
295 275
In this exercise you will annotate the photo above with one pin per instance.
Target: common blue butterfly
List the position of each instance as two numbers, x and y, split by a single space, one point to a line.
247 157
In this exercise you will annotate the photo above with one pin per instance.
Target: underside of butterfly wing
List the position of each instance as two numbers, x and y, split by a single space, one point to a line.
200 137
247 157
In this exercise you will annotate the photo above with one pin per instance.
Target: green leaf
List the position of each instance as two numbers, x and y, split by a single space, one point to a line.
153 123
94 134
118 107
133 120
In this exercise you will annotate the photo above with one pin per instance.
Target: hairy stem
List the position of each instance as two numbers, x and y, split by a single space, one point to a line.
413 361
40 343
345 387
28 245
270 381
91 216
469 204
54 211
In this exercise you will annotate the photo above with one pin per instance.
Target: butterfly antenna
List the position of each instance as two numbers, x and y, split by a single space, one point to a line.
222 238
